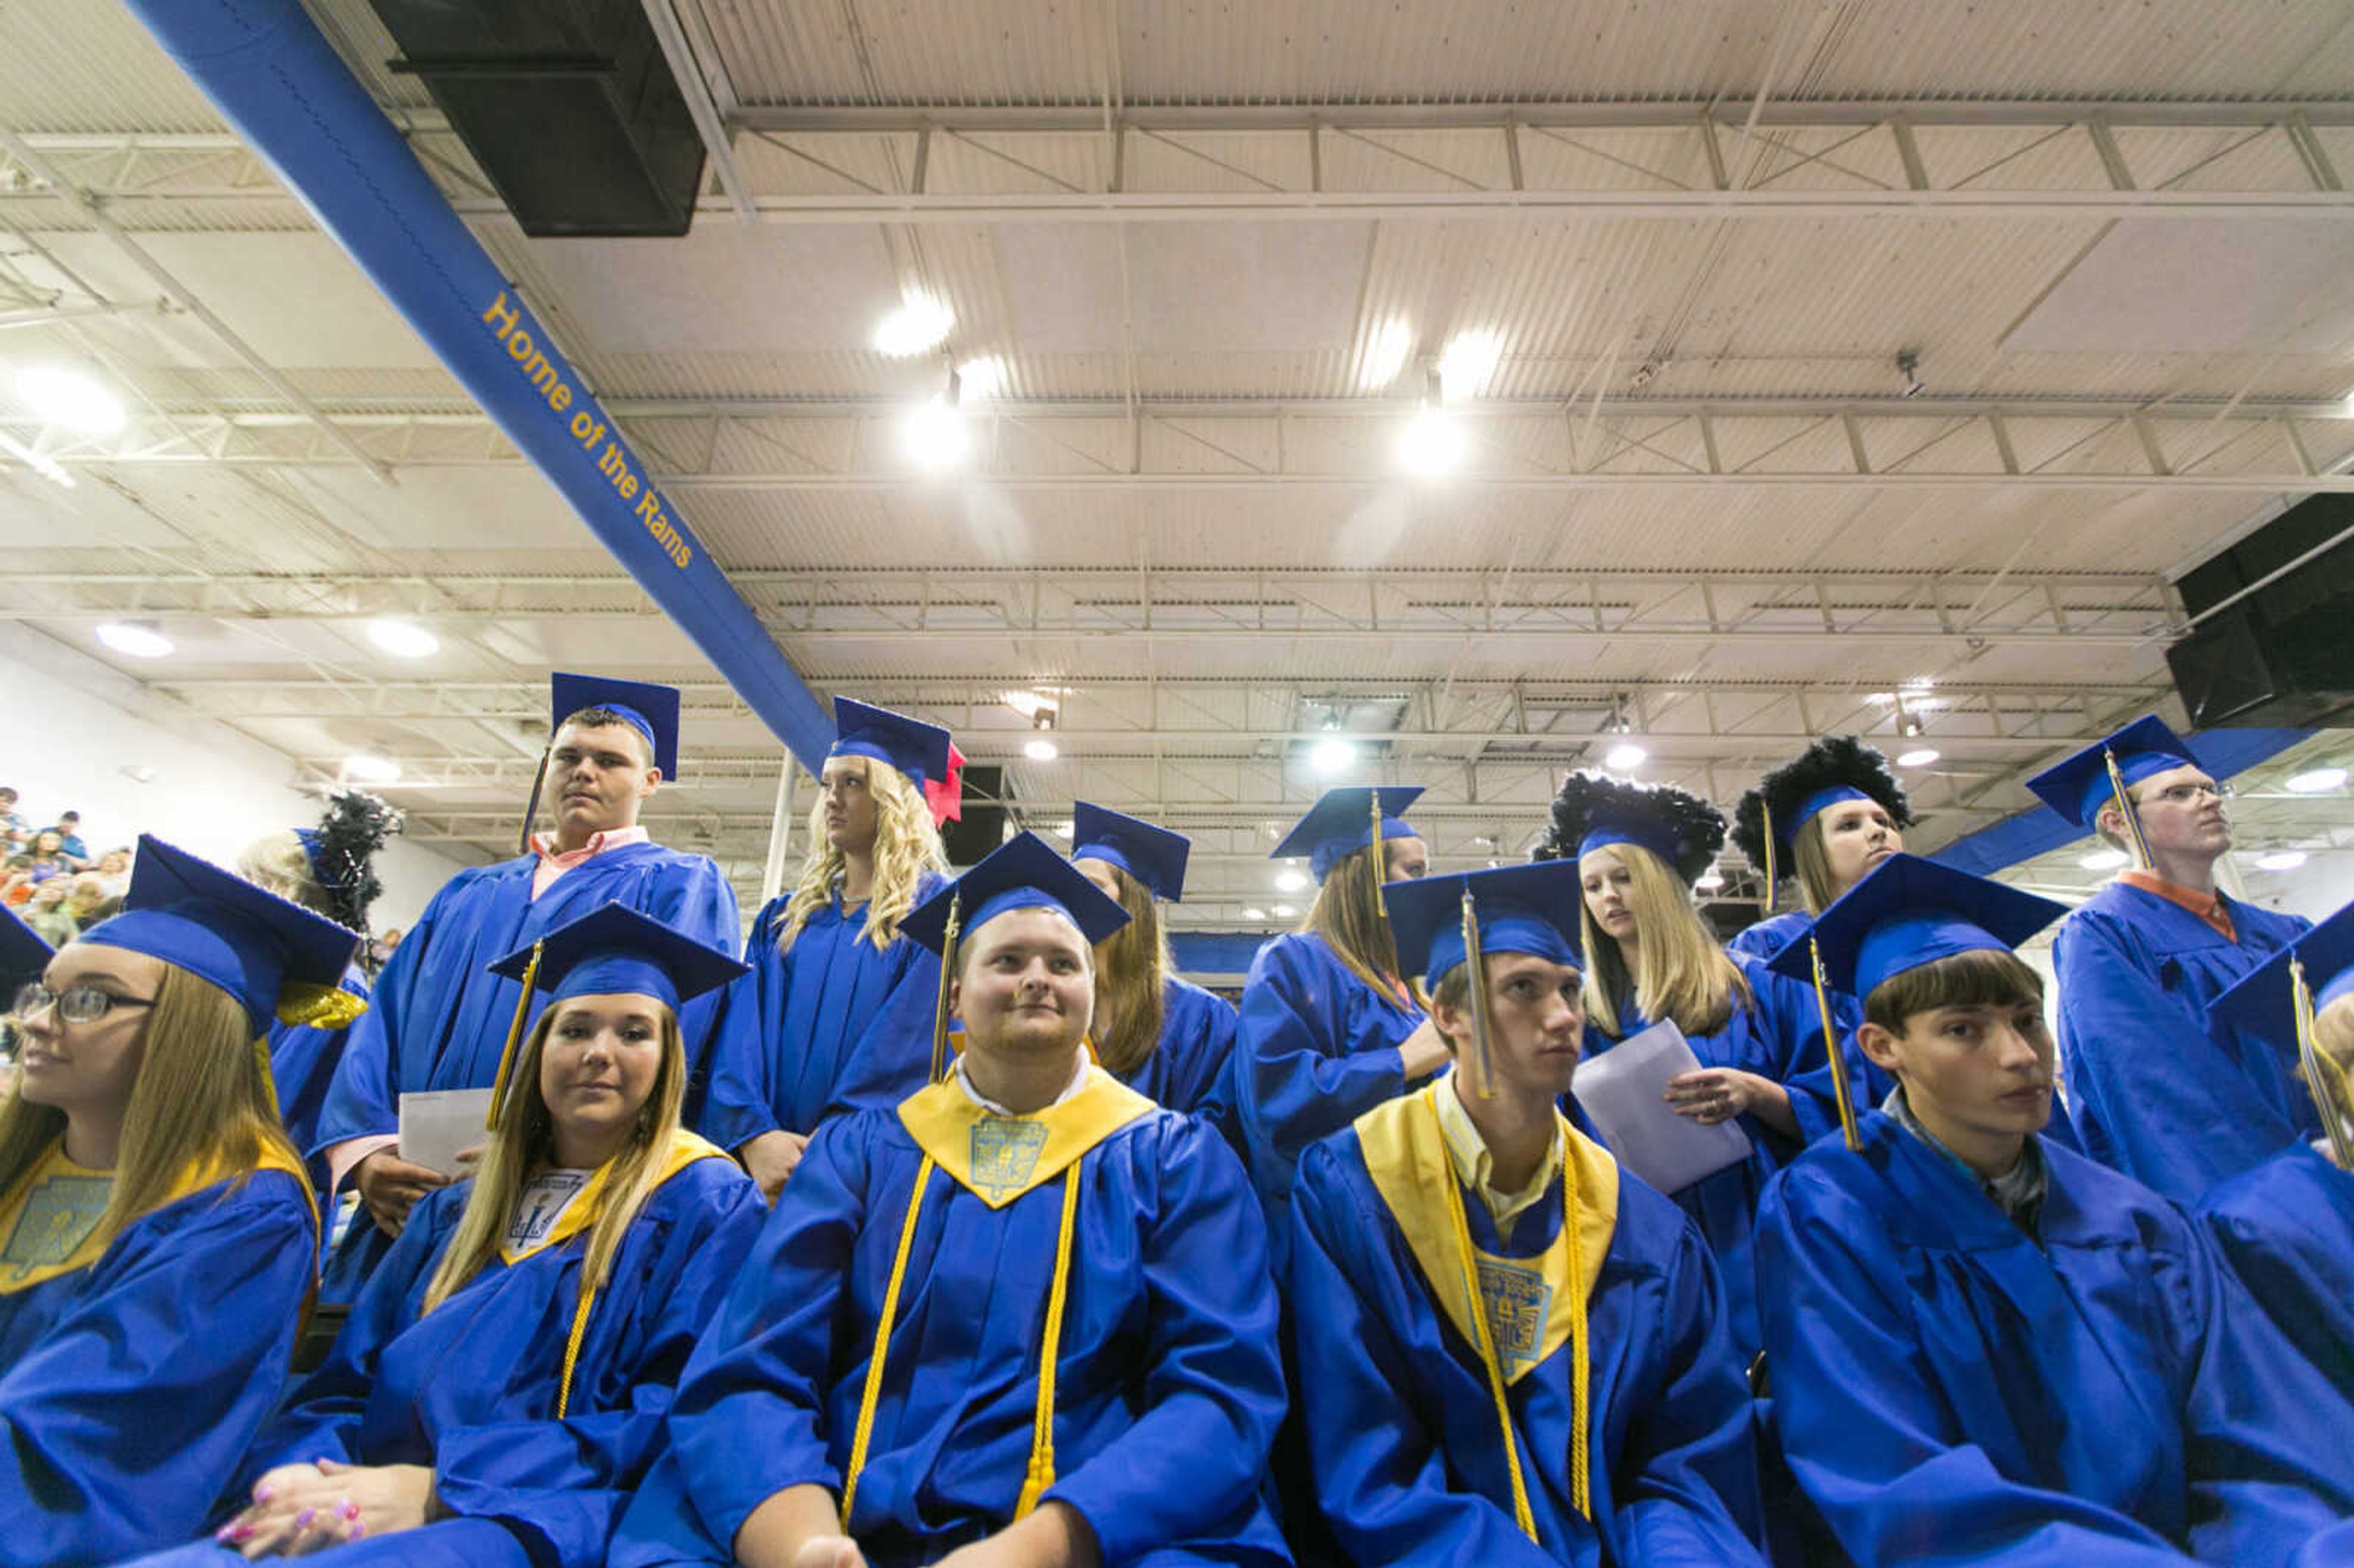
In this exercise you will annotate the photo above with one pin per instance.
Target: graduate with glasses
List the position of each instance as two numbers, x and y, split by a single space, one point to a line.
157 1231
1514 1351
1023 1317
1984 1347
2156 1085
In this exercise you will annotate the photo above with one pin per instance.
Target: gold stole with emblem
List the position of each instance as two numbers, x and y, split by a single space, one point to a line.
1526 1308
998 1158
48 1219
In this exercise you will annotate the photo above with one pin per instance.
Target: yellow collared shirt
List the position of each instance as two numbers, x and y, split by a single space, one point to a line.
1475 1166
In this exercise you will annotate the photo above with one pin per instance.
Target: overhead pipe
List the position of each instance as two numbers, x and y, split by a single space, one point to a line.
283 89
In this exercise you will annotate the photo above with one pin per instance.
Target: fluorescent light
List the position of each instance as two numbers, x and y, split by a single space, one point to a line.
934 434
1291 879
1711 879
981 377
1468 363
1253 914
1919 756
2318 780
1386 354
920 324
1625 757
71 398
2105 860
1332 754
1065 828
1432 443
404 639
1286 912
371 768
1040 749
139 638
2280 860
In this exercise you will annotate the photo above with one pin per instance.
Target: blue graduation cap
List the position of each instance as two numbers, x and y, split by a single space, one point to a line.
651 710
1023 873
1342 822
1908 912
1146 850
1515 909
917 749
23 950
280 961
2079 786
2277 1001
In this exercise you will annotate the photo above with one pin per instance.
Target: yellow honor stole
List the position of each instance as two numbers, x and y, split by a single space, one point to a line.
48 1219
998 1158
1516 1312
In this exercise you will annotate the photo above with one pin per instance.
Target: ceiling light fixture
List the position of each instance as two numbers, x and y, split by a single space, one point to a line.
983 376
404 639
1291 879
138 638
934 432
2103 860
1432 443
1333 754
1254 913
920 324
2316 781
1040 749
1709 880
1919 756
1908 365
1468 364
71 398
1625 757
1286 912
2280 860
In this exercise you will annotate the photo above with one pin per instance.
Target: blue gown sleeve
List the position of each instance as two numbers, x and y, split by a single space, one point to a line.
1213 1393
566 1482
1380 1471
1308 1068
738 1106
1862 1427
122 1424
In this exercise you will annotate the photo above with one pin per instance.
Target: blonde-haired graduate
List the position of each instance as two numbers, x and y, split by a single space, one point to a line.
499 1390
1514 1353
837 1011
158 1235
1022 1317
1985 1348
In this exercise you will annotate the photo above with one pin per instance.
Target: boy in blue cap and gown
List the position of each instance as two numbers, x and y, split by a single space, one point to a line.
1026 1308
438 1015
1330 1027
2153 1084
511 1359
837 1013
1175 1054
1583 1404
1984 1347
157 1233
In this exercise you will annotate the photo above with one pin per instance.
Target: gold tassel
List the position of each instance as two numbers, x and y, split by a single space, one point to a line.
1766 811
1374 860
1481 1062
2125 808
1839 1089
948 935
515 1034
306 1006
2321 1075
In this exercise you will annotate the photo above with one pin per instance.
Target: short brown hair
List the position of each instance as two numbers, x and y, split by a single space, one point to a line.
593 717
1987 978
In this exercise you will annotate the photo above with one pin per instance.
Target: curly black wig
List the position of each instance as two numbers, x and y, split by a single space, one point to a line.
1672 817
1833 761
343 848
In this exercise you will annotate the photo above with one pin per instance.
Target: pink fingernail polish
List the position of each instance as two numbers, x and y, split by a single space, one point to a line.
263 1493
357 1530
303 1520
350 1509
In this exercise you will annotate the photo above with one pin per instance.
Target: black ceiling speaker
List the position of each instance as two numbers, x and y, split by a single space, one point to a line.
2279 655
571 109
983 827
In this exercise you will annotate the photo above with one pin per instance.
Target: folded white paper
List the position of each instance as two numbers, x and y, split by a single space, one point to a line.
1622 1093
436 1124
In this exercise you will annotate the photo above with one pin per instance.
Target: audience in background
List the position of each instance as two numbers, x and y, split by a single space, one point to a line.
12 828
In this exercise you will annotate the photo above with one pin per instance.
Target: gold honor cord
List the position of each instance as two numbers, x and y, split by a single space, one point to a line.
1766 813
1839 1089
572 1342
531 807
2321 1075
2125 806
948 935
1481 1062
1374 861
499 1086
864 1431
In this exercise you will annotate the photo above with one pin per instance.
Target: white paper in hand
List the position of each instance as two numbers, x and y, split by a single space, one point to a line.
437 1124
1621 1092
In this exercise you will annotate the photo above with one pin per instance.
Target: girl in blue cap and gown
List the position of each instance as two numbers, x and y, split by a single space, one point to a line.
1985 1348
500 1387
1026 1307
837 1011
1155 1031
438 1015
1651 958
157 1233
2154 1085
1824 818
1587 1403
1330 1028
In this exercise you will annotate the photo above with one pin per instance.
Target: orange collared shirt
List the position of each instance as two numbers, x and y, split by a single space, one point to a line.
2208 906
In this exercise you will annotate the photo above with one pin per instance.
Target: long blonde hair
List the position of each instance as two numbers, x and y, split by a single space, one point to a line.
524 1140
1682 971
1353 924
1132 966
907 845
199 1104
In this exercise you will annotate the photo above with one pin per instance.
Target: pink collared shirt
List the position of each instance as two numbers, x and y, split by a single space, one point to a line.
554 863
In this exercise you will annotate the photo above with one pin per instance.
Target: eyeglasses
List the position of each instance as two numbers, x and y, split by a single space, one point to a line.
75 1004
2189 794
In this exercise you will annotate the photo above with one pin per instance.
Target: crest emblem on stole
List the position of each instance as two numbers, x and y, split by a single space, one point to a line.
1516 1300
58 1217
1005 1150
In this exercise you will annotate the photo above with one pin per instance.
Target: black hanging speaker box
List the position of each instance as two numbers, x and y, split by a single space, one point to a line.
2278 655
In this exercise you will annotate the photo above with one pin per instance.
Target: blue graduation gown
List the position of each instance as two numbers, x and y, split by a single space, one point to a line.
1168 1381
1409 1463
2286 1230
1316 1048
1186 1072
2154 1088
1947 1387
470 1388
129 1389
438 1020
302 1064
799 1028
1768 937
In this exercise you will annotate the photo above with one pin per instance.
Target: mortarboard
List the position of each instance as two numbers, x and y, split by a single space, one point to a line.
917 749
23 950
651 710
1147 852
1342 821
1836 769
612 951
2277 1001
1593 812
1023 873
1437 920
281 961
2079 786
